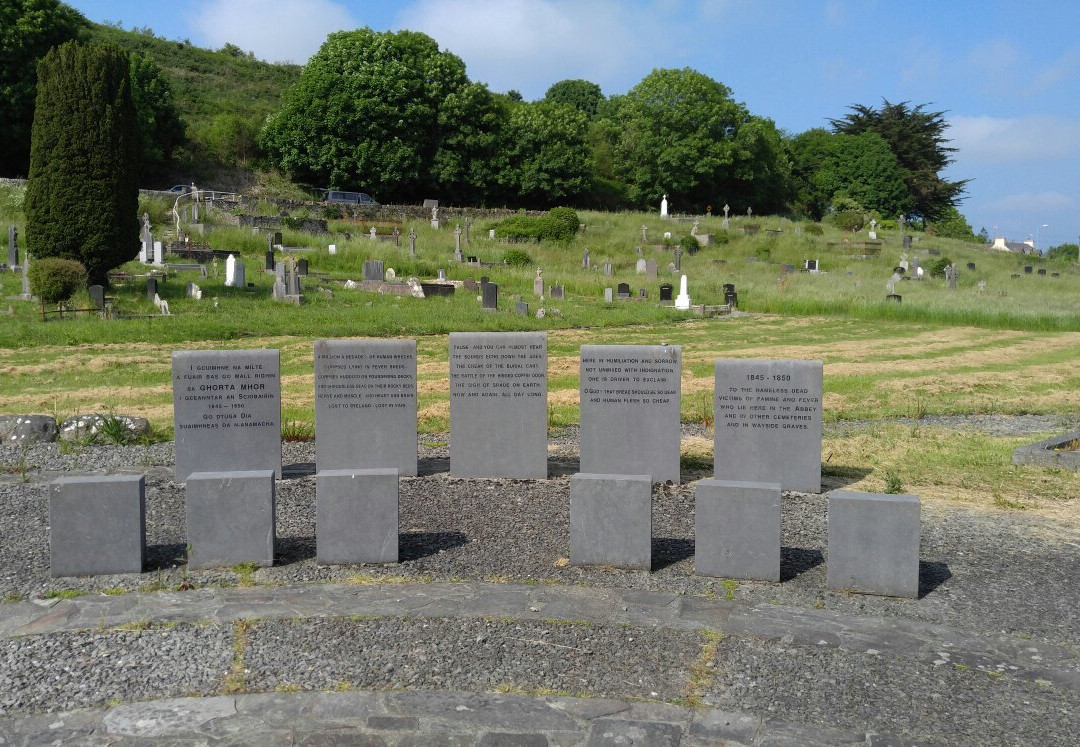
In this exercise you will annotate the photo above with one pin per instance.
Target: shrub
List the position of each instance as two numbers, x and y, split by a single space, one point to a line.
721 238
524 228
937 270
814 229
763 253
54 280
848 220
689 244
517 258
567 217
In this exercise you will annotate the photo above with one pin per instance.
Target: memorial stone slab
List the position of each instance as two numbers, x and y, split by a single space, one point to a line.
151 288
226 410
608 297
640 267
230 518
356 516
490 296
630 404
97 296
269 260
97 525
650 269
556 291
302 266
611 520
666 289
365 405
498 404
874 543
13 247
522 308
373 270
737 529
767 416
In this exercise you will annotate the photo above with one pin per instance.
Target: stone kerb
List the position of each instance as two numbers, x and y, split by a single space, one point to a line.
365 405
226 410
230 518
356 516
97 525
498 404
767 422
874 543
737 529
611 520
630 407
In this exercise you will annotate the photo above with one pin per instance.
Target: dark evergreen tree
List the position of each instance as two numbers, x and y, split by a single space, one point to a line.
83 195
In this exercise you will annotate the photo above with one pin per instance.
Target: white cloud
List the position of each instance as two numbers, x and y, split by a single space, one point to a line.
990 140
1040 203
275 30
530 44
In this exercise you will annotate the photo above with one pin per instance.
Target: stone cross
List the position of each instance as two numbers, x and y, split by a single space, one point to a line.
727 209
664 207
727 222
468 222
412 242
694 228
644 234
397 236
873 224
678 258
457 244
585 260
890 286
950 275
371 233
13 246
26 295
749 211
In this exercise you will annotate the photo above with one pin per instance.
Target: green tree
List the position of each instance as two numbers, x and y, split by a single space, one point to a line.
469 124
28 29
83 193
233 139
953 225
917 139
583 95
1067 252
863 168
365 113
545 156
161 130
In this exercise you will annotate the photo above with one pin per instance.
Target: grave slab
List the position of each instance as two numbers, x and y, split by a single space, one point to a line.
365 404
737 529
97 525
226 410
230 518
874 543
630 402
498 404
356 516
611 520
767 416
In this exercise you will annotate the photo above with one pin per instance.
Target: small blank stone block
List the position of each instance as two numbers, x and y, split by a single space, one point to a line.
97 525
356 516
737 529
874 543
230 518
611 520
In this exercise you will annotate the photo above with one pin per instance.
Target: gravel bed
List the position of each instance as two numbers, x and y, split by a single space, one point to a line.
475 655
917 701
986 572
76 670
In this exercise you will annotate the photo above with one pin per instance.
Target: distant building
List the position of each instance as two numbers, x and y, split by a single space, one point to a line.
1016 247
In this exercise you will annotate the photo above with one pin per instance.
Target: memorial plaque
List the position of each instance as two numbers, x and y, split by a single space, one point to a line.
226 410
768 422
365 405
498 404
630 403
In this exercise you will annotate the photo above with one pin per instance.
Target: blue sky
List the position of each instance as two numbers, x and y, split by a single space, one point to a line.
1007 73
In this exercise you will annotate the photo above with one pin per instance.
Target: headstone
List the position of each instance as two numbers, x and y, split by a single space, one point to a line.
666 290
238 279
396 233
470 285
226 410
97 525
678 258
1055 274
490 296
365 405
556 291
332 249
640 267
302 266
498 404
522 308
608 296
671 268
623 290
391 274
230 271
611 520
372 234
434 216
644 234
269 266
737 529
468 223
931 252
278 241
874 543
538 284
430 203
694 228
458 256
630 403
412 242
971 266
25 278
903 262
13 246
230 518
731 298
97 296
664 207
373 270
356 516
642 293
682 301
159 253
442 274
894 298
1041 271
890 285
982 286
650 269
768 422
491 233
950 276
1027 269
810 265
907 244
607 269
727 223
787 269
151 288
585 260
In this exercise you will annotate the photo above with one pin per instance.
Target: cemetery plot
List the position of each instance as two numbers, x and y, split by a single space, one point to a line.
226 410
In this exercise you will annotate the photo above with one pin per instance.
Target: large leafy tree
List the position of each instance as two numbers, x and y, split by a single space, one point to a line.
161 130
679 132
545 155
583 95
28 29
917 139
83 195
366 114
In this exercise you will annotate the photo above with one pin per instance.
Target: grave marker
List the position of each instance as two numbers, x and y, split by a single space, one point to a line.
630 402
365 405
768 422
498 404
611 520
356 516
97 525
874 543
489 296
226 410
230 518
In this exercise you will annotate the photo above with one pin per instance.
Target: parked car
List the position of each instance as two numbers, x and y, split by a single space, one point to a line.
179 189
348 198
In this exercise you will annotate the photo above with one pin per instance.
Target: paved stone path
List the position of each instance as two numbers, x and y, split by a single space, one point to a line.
449 717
